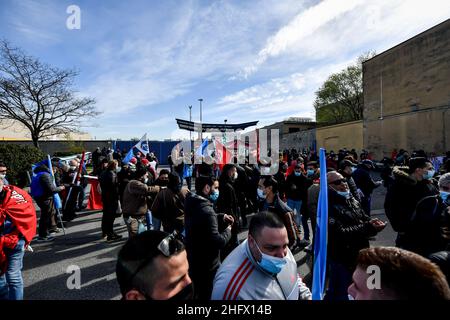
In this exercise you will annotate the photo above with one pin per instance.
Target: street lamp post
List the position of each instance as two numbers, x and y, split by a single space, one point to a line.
201 123
190 119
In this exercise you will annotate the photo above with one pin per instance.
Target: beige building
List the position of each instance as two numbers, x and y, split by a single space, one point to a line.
291 125
11 130
345 135
407 95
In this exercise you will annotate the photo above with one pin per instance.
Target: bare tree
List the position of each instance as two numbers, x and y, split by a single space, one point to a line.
39 96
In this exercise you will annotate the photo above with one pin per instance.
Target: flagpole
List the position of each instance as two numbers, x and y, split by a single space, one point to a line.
58 212
321 235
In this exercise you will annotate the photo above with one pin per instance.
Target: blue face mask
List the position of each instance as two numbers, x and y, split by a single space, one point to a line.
429 174
310 172
214 196
261 194
345 194
353 169
297 174
271 264
444 196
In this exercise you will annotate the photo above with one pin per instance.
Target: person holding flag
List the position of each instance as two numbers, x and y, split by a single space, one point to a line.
142 146
43 190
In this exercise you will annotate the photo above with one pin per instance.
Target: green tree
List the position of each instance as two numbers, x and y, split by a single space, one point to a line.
340 98
19 159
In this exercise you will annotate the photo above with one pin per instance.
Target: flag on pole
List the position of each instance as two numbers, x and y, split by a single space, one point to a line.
48 163
223 156
201 150
128 157
321 237
142 145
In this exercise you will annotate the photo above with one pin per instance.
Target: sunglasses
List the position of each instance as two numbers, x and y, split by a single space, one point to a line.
338 182
171 244
168 247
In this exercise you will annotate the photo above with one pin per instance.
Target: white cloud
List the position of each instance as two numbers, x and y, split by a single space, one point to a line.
303 25
277 98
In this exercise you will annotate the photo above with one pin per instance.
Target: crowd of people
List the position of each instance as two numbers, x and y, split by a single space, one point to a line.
184 242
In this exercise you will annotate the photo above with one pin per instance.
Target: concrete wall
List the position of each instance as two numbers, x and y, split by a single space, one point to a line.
299 140
345 135
407 95
50 147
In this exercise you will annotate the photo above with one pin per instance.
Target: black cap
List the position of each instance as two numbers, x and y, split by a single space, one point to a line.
346 163
368 163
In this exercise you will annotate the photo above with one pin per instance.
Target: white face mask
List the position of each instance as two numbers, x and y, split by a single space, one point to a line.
2 176
235 176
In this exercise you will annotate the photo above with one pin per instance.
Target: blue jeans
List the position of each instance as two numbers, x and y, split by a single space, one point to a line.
11 282
301 223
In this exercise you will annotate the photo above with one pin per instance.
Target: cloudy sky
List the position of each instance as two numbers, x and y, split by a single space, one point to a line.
145 61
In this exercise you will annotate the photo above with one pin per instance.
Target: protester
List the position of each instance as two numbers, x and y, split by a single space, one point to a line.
42 190
346 169
268 193
296 191
110 198
423 230
403 275
136 201
17 229
411 184
154 266
3 172
280 177
206 234
262 267
349 229
365 183
228 204
168 205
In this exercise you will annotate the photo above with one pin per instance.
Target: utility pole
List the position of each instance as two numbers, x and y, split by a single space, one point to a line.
190 119
201 122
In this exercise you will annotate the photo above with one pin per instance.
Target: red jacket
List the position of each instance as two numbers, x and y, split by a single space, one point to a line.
18 207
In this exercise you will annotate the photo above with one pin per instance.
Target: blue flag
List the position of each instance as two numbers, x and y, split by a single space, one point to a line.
321 238
201 150
128 157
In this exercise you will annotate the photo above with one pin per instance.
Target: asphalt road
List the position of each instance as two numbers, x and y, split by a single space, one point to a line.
49 268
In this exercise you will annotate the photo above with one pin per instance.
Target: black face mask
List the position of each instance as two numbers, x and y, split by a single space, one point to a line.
163 183
187 293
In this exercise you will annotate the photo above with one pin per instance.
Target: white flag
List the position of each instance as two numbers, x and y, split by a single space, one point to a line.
142 145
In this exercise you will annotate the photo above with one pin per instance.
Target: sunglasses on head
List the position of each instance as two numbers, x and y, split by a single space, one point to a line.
338 182
168 247
171 244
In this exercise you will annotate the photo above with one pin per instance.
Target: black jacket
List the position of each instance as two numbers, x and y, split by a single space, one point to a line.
297 187
402 198
423 233
280 209
203 238
281 179
363 180
348 229
110 189
228 201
